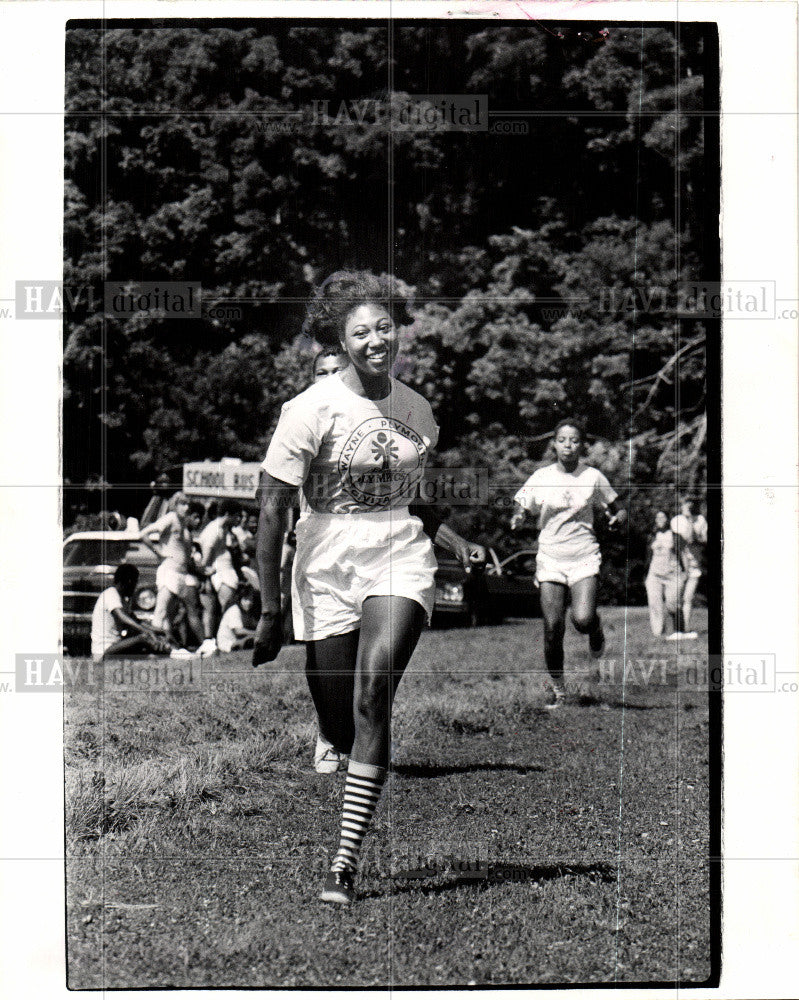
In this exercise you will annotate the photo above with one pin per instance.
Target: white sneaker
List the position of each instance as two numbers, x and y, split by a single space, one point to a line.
207 648
674 637
557 696
181 654
326 759
690 635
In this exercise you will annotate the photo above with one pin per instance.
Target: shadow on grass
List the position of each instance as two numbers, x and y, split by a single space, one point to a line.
442 770
432 882
590 700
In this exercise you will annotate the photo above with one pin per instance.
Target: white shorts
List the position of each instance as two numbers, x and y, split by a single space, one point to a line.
170 576
344 558
227 577
549 569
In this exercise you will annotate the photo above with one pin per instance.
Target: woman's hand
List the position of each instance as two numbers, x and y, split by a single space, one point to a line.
517 520
470 553
618 519
268 638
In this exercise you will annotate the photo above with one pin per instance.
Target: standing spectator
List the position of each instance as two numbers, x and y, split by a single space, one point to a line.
665 579
216 544
170 536
692 530
115 631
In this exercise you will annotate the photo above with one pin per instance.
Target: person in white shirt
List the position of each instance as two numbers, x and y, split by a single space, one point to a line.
237 628
115 631
692 530
564 496
665 578
363 582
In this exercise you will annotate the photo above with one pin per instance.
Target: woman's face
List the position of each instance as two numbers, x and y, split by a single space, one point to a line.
329 365
661 521
370 340
182 509
568 444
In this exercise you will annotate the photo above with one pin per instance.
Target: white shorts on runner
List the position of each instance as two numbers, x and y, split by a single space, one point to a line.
225 577
549 569
172 577
344 558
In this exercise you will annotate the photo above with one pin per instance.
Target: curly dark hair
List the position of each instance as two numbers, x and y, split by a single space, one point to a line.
570 422
338 295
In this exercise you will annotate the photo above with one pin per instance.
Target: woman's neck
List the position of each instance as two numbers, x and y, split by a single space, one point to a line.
370 388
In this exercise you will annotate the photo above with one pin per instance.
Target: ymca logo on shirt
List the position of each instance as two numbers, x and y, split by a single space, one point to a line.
381 460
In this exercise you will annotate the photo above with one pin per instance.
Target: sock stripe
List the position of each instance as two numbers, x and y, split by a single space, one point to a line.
361 795
360 784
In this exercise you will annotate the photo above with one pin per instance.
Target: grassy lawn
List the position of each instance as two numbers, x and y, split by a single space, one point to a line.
512 845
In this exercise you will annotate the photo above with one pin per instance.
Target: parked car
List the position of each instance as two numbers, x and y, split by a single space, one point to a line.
455 601
502 589
509 588
90 558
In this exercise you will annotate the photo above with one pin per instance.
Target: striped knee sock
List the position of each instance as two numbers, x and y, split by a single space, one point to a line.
361 794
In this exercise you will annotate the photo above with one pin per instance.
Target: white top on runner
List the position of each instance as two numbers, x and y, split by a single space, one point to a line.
351 454
565 504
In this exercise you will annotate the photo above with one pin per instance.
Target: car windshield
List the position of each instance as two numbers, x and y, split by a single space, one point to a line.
106 552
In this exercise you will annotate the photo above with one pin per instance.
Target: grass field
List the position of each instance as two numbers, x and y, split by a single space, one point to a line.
512 845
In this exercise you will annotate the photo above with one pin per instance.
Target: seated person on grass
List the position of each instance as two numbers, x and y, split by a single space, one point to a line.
115 632
237 628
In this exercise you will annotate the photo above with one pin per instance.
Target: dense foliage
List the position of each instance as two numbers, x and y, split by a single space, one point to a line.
545 265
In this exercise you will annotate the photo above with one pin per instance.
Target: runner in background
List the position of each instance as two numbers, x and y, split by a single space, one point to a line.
665 578
692 529
564 496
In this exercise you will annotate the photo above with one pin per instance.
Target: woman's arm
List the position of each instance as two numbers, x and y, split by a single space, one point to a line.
469 553
131 624
276 499
441 533
153 532
518 516
618 515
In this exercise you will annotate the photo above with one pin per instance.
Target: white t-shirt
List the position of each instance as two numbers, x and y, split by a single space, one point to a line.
694 535
105 631
225 635
213 541
664 556
352 454
565 504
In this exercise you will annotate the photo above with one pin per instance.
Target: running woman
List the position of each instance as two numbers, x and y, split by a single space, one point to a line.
329 361
363 580
665 579
171 538
565 496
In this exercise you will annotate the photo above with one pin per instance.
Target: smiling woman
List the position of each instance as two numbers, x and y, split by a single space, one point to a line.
363 579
